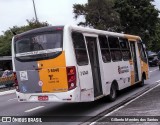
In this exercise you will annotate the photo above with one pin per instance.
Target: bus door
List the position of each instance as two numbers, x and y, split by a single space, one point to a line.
94 61
135 61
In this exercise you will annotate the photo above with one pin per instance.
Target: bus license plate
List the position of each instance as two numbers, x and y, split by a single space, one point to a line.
42 98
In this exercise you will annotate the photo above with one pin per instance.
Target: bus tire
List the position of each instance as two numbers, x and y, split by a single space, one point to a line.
113 93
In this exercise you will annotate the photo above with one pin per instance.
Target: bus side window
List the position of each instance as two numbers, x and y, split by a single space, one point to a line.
142 52
80 48
104 48
115 48
124 45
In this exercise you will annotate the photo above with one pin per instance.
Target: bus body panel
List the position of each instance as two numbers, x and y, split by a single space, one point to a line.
86 83
68 47
145 69
124 71
108 76
25 72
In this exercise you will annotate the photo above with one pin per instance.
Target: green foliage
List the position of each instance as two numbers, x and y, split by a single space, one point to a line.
154 43
98 14
6 38
138 17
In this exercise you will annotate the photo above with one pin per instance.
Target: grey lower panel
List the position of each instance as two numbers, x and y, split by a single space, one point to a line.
30 82
23 66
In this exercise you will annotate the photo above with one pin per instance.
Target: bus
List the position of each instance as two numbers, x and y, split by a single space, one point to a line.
76 64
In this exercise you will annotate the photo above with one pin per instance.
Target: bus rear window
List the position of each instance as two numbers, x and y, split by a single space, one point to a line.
38 46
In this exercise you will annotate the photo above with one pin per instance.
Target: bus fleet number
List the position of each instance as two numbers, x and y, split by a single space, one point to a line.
84 73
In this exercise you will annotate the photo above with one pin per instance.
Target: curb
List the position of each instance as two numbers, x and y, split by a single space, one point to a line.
7 92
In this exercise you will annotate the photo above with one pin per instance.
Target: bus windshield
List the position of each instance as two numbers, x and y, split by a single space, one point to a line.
38 46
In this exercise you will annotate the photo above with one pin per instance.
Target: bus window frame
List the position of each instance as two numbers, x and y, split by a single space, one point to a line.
108 49
114 49
129 49
74 31
38 33
140 44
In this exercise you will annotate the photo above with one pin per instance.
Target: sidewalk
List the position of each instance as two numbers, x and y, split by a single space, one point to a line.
7 92
146 107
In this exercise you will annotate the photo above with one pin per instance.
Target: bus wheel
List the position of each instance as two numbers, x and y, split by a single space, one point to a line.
113 93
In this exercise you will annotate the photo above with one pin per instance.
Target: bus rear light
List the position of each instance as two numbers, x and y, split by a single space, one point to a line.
71 76
16 81
71 70
42 98
72 84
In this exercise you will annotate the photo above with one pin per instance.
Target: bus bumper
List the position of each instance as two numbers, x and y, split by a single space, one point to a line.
69 96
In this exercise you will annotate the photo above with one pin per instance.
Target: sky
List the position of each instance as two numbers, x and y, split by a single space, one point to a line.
55 12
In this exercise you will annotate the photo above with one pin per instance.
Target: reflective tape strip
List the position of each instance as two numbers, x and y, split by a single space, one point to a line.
38 52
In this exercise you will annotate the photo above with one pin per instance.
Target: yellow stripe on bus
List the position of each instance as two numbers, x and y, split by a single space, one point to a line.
132 72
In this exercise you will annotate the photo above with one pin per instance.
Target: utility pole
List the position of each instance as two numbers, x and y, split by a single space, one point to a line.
35 11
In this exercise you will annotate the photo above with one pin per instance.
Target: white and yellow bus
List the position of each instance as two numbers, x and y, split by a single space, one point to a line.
76 64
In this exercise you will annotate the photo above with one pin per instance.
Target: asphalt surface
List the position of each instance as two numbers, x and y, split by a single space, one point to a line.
144 110
9 106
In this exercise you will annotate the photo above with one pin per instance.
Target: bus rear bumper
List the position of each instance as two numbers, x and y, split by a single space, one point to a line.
69 96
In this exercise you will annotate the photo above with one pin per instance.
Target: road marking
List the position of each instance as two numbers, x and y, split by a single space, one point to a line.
154 70
30 110
126 103
12 99
158 81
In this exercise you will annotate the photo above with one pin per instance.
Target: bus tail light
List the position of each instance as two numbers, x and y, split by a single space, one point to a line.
42 98
71 76
16 82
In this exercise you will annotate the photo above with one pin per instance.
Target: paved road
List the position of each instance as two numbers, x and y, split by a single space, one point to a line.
9 105
142 110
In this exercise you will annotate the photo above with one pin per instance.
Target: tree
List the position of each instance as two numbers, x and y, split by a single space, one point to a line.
6 38
154 43
98 14
138 17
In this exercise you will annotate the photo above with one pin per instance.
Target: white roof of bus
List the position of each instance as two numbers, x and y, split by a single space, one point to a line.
90 30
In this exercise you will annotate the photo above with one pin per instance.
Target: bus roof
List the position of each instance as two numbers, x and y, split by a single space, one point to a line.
90 30
77 28
39 30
